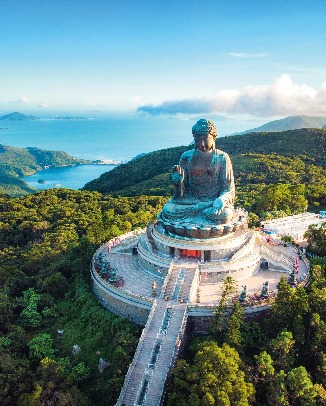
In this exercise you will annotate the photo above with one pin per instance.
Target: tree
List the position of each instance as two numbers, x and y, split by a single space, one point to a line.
6 309
281 196
300 387
30 316
290 304
229 287
215 378
41 346
233 332
283 350
278 393
56 285
265 368
316 237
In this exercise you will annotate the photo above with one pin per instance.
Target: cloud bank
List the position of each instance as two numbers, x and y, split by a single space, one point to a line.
283 97
247 55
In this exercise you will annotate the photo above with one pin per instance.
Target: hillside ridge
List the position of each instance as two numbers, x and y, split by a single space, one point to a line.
150 174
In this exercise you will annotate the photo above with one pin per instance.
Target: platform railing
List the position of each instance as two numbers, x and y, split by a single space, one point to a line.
118 291
247 248
276 259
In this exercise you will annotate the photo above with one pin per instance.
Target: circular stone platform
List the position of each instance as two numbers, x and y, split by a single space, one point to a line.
190 271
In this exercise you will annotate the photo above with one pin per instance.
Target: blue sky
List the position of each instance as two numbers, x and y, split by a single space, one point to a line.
242 58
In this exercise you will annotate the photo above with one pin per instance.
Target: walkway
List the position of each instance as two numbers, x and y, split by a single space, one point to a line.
160 342
136 280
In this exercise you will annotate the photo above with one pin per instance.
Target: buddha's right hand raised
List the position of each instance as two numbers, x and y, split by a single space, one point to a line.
177 175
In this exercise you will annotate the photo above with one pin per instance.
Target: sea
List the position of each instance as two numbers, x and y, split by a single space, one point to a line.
115 138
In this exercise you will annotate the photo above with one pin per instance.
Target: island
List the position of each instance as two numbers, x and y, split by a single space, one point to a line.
69 118
15 116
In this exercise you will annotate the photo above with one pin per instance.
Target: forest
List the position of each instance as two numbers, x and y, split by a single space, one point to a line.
47 241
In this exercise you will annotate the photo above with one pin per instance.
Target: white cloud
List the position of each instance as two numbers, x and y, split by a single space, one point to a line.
247 55
23 100
43 106
91 104
283 97
136 99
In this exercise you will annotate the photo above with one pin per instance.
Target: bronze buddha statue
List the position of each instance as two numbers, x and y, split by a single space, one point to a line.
204 189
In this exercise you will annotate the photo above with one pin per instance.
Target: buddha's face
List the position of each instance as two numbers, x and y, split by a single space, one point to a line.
205 142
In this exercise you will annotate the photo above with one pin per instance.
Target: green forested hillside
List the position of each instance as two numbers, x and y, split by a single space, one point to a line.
26 161
308 144
15 162
137 171
259 159
47 240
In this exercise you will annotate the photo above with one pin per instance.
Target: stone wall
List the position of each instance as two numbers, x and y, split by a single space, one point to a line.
152 268
165 249
121 308
199 323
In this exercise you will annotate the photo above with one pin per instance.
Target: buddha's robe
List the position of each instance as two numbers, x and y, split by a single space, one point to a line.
206 177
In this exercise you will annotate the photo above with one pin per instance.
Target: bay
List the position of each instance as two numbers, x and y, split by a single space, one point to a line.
71 177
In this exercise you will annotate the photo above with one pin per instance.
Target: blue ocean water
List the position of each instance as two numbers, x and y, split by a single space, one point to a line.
117 138
120 138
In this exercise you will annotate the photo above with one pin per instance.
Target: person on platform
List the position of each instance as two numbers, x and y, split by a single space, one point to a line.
203 182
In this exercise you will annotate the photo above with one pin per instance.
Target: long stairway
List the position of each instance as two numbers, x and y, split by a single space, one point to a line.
159 344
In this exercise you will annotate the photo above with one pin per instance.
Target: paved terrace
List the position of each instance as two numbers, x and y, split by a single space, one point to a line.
210 293
139 282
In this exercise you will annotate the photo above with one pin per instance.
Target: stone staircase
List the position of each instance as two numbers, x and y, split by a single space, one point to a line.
139 365
184 294
170 290
159 344
180 282
166 358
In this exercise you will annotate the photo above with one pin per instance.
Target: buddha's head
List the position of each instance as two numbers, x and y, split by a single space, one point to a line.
205 133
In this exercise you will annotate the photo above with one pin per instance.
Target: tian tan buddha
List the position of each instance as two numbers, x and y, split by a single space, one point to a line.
203 197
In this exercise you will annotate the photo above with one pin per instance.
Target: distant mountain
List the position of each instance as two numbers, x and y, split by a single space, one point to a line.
17 117
289 123
324 127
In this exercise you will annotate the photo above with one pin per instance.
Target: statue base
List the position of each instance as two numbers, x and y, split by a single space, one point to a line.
201 230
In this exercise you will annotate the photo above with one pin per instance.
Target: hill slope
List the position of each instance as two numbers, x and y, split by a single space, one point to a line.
289 123
150 174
